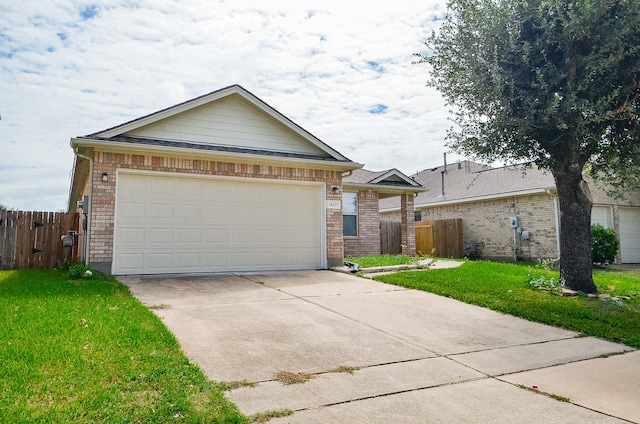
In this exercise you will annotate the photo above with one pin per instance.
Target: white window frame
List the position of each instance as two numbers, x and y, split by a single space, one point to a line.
348 204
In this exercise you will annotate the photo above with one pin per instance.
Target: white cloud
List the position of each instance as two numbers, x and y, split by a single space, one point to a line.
76 67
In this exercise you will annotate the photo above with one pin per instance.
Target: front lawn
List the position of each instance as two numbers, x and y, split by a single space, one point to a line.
85 350
506 287
383 260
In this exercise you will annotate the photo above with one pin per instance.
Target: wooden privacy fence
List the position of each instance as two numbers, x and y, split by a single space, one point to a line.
390 238
33 239
442 238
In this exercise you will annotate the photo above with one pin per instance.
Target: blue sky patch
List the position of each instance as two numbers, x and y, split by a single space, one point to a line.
89 12
378 109
375 66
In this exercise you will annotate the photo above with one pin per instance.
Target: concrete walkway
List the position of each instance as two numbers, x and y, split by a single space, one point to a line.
415 357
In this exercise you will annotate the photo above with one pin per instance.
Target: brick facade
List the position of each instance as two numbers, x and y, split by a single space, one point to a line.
103 205
488 222
367 241
407 225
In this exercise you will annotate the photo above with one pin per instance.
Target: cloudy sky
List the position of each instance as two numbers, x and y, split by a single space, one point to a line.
340 69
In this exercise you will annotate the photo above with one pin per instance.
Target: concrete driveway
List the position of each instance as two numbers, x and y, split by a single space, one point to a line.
415 357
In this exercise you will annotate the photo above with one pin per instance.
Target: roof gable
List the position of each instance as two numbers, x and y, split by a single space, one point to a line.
232 118
388 183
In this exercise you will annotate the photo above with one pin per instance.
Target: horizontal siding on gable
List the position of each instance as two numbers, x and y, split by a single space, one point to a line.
228 122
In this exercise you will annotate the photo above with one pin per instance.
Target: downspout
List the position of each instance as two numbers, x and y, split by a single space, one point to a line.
87 232
557 218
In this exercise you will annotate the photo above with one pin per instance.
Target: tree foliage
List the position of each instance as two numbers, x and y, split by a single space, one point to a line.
554 82
534 79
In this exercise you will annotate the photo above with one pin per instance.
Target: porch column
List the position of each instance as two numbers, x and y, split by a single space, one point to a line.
407 227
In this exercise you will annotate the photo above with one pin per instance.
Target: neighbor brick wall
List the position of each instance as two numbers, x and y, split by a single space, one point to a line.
103 210
488 222
368 240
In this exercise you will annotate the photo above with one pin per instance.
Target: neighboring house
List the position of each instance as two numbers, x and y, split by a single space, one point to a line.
220 183
488 199
361 219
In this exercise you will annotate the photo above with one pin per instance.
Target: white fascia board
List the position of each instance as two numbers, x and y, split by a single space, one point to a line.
382 188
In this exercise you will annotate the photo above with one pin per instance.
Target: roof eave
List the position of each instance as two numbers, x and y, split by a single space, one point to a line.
551 190
257 158
388 191
397 173
79 174
540 190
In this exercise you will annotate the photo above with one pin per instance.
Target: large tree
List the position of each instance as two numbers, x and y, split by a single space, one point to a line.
554 82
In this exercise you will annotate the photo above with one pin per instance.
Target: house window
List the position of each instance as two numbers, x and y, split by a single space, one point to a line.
350 214
417 216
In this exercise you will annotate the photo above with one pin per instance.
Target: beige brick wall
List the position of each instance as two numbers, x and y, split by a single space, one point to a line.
103 206
368 240
488 222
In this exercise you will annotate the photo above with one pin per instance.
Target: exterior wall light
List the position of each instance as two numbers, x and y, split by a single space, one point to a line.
335 189
105 177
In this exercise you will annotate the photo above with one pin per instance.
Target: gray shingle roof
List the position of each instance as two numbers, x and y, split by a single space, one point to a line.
467 180
389 183
362 176
207 147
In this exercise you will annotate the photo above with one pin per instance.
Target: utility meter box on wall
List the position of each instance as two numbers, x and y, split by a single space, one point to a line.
514 222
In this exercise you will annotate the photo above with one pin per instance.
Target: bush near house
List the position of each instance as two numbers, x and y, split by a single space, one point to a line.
604 245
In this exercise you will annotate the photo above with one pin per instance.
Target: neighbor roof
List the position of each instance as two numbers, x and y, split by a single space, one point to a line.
468 181
387 183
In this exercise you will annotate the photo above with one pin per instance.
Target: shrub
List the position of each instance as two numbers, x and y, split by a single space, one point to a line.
604 244
78 271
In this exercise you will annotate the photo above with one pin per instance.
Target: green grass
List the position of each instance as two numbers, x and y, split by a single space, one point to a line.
383 260
505 287
86 351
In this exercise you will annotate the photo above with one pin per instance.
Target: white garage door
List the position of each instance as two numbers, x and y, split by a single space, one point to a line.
602 215
175 224
629 235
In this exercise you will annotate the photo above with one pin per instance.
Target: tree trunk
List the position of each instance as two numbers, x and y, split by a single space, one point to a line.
575 229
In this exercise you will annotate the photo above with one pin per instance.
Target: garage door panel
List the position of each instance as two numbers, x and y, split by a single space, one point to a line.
164 187
214 211
214 261
159 262
214 236
131 235
239 259
215 225
163 236
629 234
131 262
188 236
187 189
264 237
134 210
188 260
